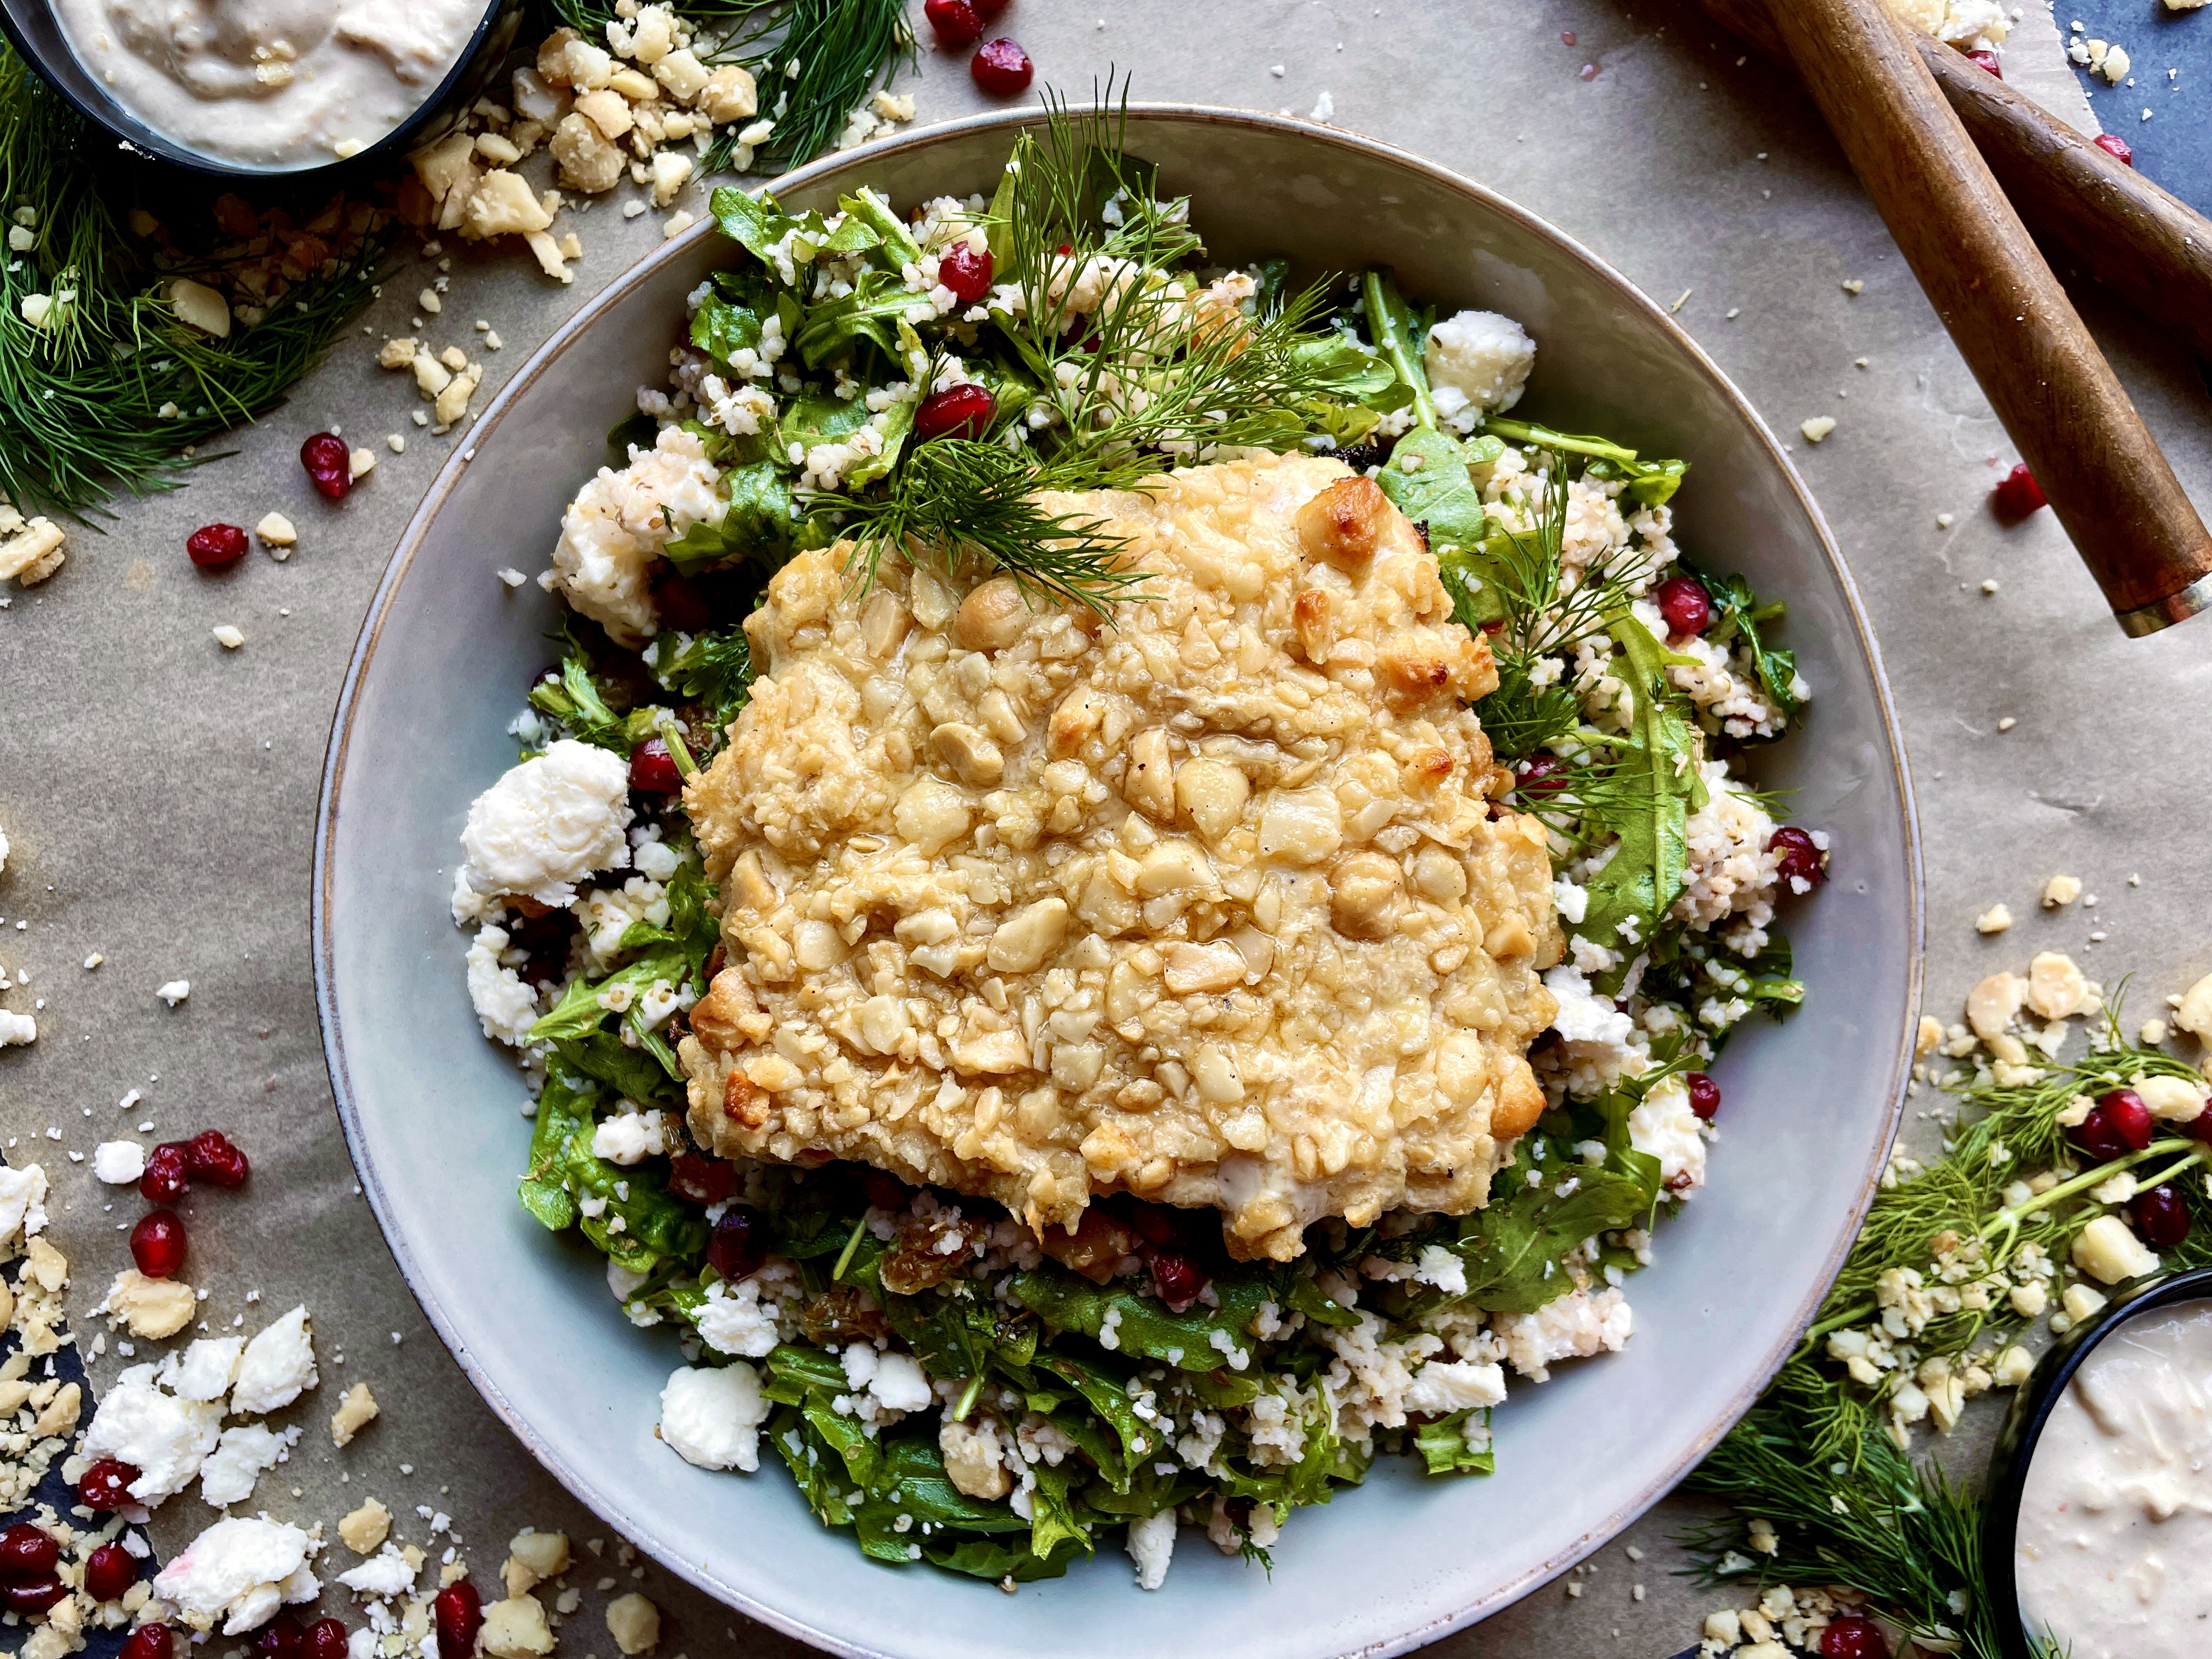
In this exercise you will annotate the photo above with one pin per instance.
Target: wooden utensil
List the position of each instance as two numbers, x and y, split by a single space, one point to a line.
2098 466
2105 219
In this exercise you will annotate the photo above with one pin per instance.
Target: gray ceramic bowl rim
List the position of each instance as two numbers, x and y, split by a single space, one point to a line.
1482 1604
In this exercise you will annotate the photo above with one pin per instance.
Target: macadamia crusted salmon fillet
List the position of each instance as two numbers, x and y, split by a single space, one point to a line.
1208 904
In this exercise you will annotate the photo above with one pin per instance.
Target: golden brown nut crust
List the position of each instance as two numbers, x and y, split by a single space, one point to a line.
1207 906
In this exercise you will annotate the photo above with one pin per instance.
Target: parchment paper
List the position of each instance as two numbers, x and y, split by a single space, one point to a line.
159 791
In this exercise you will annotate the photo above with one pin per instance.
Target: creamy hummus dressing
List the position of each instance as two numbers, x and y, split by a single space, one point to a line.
269 83
2116 1519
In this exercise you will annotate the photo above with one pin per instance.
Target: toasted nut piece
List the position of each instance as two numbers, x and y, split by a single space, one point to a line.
1316 628
993 617
1520 1101
728 95
1212 794
1344 522
1149 784
883 622
969 753
1366 891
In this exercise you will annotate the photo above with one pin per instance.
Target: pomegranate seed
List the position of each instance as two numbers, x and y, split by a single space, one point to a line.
967 271
1987 60
960 411
150 1642
681 604
210 1157
36 1596
106 1484
1177 1277
1796 855
157 1245
326 1639
282 1637
2018 493
2161 1216
169 1174
1853 1636
955 21
109 1572
884 1191
989 7
1705 1094
702 1180
1685 604
2095 1135
28 1552
1544 775
2116 147
1155 1224
1001 68
739 1244
458 1612
214 545
653 768
2131 1118
2198 1128
328 465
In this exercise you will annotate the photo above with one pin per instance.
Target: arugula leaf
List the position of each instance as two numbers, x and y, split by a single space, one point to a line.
1338 363
1144 1327
763 523
1658 767
575 700
879 302
986 1558
652 1226
1512 1247
1056 1516
894 246
813 1466
1399 331
632 1074
713 669
1443 1449
1105 1392
732 316
1426 479
563 1107
1653 484
1739 613
639 431
757 225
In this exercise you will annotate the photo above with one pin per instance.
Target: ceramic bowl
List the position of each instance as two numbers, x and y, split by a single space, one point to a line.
36 32
2015 1451
429 1106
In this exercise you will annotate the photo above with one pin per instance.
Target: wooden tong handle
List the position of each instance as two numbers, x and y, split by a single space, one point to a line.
2145 244
2098 466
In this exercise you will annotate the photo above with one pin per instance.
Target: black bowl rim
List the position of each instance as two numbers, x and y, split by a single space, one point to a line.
112 117
2032 1406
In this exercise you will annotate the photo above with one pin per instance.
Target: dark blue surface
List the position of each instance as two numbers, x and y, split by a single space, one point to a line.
2174 146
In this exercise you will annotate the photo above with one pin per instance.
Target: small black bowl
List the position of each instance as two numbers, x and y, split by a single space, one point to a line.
2031 1409
37 33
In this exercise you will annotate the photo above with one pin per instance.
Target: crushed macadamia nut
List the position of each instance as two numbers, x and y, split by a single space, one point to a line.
366 1528
354 1412
1209 906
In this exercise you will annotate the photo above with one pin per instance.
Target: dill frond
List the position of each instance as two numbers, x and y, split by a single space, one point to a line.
815 62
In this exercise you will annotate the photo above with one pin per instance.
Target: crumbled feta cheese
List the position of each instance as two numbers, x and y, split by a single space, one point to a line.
205 1371
277 1366
385 1574
227 1475
1152 1546
240 1571
22 1201
1442 1386
628 1137
163 1437
1478 361
176 991
119 1163
711 1416
733 1319
548 823
505 1007
1664 1126
616 527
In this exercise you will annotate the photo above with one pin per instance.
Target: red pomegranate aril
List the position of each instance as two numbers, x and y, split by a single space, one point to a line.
739 1244
34 1595
2198 1128
109 1572
884 1190
328 465
215 545
1705 1094
702 1180
2095 1135
2130 1119
157 1243
958 411
2116 147
1545 775
1797 855
1853 1636
653 769
1001 68
150 1642
966 271
1685 604
106 1484
955 21
1987 60
2161 1216
2018 493
458 1612
1155 1224
326 1639
210 1157
169 1174
28 1552
680 606
988 8
1177 1277
282 1637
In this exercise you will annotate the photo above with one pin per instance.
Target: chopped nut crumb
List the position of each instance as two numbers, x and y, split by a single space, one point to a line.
1994 919
2061 890
227 637
1818 427
354 1412
277 531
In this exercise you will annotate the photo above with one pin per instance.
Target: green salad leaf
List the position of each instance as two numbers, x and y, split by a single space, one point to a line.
1738 614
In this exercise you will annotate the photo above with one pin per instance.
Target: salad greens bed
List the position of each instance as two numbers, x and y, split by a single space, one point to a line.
1133 1369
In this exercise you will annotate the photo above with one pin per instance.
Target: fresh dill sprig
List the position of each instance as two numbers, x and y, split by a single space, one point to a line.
108 393
957 500
814 60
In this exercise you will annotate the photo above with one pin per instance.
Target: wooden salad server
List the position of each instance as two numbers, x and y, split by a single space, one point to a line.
2099 465
2145 244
